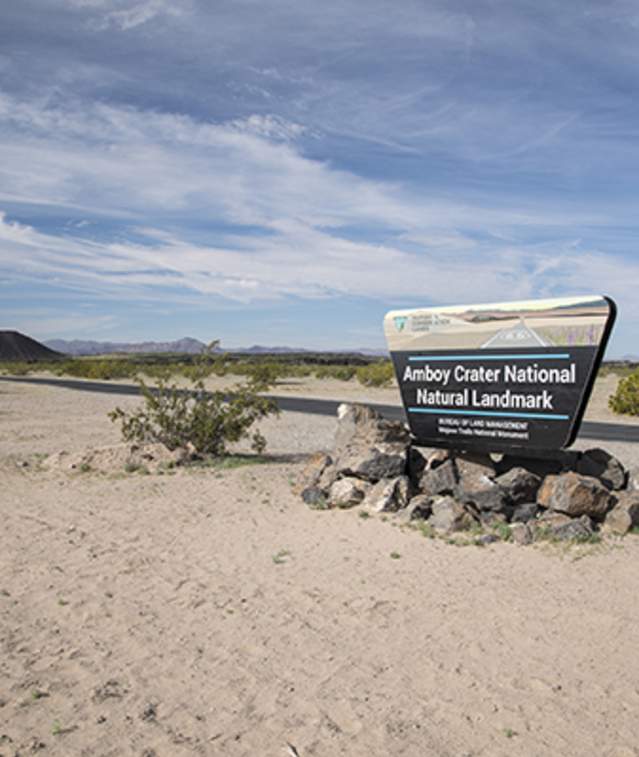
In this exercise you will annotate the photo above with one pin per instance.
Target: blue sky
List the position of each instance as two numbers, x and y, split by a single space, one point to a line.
285 171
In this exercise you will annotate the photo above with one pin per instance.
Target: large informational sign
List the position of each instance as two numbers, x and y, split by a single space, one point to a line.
509 374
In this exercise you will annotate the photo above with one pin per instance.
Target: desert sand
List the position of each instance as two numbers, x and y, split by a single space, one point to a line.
210 612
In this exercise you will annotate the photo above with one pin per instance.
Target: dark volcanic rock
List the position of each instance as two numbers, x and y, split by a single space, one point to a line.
449 515
440 480
602 465
578 495
520 484
524 513
368 446
475 473
418 508
624 515
577 528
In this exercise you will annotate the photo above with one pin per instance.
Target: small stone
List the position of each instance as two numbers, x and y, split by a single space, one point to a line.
520 484
315 497
487 539
524 513
346 492
449 515
624 515
602 465
521 534
577 495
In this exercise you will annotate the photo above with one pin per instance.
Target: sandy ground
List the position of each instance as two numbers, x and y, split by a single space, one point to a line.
210 612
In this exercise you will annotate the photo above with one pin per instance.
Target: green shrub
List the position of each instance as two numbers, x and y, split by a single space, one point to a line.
339 372
205 420
626 398
376 374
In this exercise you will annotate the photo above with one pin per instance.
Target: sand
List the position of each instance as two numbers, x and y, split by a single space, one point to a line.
210 612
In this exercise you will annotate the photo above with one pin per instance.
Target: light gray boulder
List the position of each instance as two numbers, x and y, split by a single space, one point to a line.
450 515
346 492
624 515
368 446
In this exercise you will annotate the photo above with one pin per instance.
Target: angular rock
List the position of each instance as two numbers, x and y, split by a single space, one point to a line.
521 534
578 495
544 494
550 519
418 508
624 515
486 539
437 457
388 495
475 473
524 513
633 479
440 480
416 464
368 446
488 518
578 528
315 497
346 492
313 472
602 465
449 515
520 484
494 499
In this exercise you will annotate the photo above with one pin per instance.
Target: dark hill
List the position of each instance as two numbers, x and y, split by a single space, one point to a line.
17 346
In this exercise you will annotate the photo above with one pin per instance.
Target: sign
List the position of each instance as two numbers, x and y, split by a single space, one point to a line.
498 376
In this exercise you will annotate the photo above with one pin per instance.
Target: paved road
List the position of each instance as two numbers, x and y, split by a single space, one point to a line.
519 335
611 432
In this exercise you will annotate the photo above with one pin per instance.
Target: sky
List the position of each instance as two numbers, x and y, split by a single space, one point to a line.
284 172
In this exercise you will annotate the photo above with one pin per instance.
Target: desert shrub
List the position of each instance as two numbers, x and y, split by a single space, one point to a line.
376 374
339 372
626 398
17 368
265 373
206 420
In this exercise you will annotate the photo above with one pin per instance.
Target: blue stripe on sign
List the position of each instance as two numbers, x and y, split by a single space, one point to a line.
538 416
558 356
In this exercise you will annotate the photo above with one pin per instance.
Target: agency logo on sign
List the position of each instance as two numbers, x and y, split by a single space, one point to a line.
499 376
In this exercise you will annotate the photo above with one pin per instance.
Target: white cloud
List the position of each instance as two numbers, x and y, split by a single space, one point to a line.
126 14
312 227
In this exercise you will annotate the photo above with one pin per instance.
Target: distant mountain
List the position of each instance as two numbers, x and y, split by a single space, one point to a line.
17 346
186 346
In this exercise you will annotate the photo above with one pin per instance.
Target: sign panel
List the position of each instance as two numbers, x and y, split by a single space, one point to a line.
498 376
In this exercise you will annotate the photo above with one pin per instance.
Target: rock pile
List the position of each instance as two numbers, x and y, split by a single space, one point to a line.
375 466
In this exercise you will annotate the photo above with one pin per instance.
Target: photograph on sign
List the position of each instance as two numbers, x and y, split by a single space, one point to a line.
500 375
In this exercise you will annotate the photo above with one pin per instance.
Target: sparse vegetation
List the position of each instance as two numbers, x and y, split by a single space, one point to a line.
395 555
626 399
205 421
280 557
376 374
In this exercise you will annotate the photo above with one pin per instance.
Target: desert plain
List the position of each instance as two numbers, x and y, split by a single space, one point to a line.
208 611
